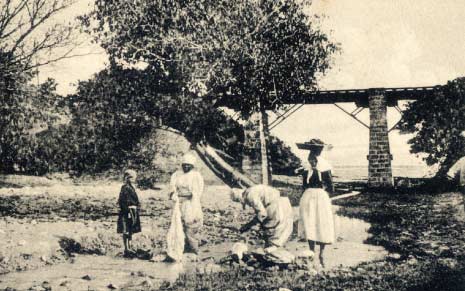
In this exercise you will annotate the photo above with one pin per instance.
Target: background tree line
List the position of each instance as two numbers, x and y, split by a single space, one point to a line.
173 61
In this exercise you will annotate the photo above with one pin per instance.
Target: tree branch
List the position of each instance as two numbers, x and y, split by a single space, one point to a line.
36 20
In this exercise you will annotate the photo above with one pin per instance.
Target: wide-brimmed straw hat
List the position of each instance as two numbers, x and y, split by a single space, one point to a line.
312 144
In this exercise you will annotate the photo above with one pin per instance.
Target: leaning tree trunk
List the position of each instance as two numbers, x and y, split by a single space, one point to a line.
228 174
222 169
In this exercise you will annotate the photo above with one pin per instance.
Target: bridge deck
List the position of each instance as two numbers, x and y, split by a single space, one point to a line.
354 95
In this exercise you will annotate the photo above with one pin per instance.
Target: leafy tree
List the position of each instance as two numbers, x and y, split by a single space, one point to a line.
16 111
283 160
437 123
37 109
239 50
27 41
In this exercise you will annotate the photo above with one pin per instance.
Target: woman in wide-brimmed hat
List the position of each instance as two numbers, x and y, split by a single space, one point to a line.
316 224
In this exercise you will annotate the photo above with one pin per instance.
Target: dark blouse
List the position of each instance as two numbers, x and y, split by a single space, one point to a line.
127 197
326 181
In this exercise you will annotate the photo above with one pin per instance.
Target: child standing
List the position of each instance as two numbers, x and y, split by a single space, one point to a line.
128 219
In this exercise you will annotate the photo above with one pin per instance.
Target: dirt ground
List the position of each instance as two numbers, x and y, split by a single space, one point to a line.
43 224
56 222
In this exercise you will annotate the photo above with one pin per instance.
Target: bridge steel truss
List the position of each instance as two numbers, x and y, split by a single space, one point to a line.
375 99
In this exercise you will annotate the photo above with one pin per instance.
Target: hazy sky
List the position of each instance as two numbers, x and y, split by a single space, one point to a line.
384 44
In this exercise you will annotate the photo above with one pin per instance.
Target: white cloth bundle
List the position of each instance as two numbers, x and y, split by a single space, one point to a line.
175 236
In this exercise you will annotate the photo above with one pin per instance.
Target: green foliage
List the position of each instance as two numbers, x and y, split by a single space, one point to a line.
248 49
28 40
283 160
23 112
437 123
109 116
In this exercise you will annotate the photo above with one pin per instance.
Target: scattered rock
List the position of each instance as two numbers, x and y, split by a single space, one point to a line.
27 256
112 286
188 257
395 256
284 289
238 249
65 283
449 263
158 258
87 278
208 259
305 254
46 285
146 284
43 259
273 268
37 288
312 272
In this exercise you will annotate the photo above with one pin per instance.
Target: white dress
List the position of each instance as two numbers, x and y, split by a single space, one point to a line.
316 221
189 188
281 222
273 211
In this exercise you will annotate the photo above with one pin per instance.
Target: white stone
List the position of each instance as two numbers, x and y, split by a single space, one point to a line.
239 249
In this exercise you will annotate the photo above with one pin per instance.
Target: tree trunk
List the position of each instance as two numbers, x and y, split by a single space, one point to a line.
221 168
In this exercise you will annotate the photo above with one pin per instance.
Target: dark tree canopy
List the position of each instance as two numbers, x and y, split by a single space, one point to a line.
256 50
28 40
437 123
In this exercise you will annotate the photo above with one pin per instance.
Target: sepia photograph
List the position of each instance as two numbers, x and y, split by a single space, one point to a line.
261 145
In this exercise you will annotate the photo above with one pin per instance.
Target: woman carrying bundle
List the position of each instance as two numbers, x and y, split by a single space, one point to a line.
316 224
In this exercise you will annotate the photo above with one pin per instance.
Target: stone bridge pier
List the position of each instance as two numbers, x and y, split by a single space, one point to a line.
256 162
379 155
255 158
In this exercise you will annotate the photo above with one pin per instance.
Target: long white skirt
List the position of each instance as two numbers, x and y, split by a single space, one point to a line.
316 221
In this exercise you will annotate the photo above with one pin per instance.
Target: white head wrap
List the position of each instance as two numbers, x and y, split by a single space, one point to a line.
237 195
189 159
130 173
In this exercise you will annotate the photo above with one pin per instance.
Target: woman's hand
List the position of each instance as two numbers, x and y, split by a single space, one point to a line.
174 197
299 170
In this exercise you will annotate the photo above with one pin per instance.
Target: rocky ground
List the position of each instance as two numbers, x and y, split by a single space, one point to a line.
44 224
48 223
423 232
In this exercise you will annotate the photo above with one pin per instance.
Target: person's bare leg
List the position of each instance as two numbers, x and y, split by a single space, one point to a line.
126 243
322 249
130 242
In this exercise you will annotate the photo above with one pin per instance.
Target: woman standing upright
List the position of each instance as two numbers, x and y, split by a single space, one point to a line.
187 188
316 224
